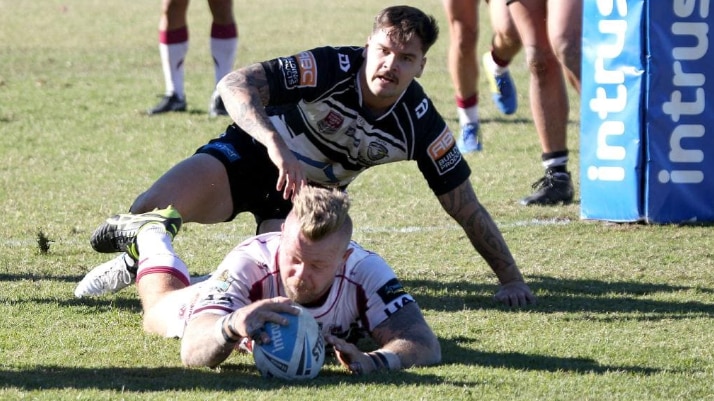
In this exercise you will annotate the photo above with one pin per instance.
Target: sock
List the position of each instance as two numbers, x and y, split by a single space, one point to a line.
467 110
556 161
173 47
224 46
157 254
497 66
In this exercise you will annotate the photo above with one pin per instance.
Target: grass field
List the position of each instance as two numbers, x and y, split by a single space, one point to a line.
626 311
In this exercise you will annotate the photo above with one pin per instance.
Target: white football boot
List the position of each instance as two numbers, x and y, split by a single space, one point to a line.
107 278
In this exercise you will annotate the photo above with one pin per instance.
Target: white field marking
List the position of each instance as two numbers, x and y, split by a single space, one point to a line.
416 229
21 243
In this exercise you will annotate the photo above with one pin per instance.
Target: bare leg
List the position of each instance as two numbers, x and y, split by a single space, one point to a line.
565 28
506 42
548 97
197 187
463 31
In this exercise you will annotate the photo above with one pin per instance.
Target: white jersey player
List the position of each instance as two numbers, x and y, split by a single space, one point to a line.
364 294
311 262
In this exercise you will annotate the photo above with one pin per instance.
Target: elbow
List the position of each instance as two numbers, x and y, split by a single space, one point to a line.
433 356
188 359
195 359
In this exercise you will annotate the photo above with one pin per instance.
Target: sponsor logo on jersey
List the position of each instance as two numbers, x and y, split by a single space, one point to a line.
391 290
299 71
443 153
222 282
331 123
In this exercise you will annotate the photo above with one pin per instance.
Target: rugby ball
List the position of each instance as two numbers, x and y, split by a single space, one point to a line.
295 351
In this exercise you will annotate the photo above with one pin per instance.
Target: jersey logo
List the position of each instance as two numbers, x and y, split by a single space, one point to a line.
443 153
344 62
422 108
376 151
299 71
391 290
331 123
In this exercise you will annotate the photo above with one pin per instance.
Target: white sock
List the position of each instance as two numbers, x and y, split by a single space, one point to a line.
467 115
493 68
224 53
156 250
172 63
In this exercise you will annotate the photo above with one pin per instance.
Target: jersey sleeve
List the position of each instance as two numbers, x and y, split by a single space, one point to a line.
384 293
236 282
439 160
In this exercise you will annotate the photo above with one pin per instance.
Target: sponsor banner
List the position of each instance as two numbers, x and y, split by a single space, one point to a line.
679 127
611 154
647 147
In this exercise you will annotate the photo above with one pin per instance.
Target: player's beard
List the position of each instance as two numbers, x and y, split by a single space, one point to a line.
300 292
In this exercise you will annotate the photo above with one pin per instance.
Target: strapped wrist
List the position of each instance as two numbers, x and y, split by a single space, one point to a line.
385 360
228 333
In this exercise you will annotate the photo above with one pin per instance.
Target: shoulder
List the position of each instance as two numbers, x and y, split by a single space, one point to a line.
367 268
347 59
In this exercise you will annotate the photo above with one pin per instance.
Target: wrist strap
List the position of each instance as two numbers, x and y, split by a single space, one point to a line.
385 359
229 336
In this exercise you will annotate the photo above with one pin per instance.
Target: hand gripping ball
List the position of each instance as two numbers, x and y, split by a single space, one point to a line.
295 351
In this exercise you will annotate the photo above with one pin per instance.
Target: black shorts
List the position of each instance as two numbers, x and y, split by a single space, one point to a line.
251 174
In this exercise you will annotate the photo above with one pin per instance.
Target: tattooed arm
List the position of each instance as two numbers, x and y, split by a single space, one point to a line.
245 94
405 340
462 205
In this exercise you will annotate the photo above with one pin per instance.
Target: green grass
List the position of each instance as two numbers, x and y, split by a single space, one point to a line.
625 310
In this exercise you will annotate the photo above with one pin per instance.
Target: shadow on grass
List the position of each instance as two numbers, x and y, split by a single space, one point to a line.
554 295
233 376
230 377
454 353
38 277
568 295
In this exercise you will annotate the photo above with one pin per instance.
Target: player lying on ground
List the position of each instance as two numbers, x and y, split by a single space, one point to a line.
312 261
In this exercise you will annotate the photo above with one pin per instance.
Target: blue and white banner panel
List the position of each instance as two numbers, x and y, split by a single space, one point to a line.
679 126
612 112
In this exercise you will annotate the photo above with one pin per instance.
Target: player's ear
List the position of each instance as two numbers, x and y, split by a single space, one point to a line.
347 254
421 68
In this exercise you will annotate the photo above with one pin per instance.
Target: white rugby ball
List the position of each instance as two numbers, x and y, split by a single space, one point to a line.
295 351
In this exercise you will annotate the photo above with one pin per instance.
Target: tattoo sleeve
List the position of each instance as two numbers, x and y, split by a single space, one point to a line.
462 205
245 93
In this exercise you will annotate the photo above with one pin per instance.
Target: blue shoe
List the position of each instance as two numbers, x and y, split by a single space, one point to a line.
469 140
503 90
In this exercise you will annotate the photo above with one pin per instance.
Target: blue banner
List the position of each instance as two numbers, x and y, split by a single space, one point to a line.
679 129
611 110
647 137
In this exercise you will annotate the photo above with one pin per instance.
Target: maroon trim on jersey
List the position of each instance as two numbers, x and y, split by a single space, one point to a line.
163 270
229 31
172 37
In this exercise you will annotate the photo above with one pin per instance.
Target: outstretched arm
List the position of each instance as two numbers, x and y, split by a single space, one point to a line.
245 93
209 339
463 206
405 340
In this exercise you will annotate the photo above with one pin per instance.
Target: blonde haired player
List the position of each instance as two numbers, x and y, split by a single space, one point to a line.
312 261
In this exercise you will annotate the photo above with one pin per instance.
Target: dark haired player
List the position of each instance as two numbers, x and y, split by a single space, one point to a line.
321 117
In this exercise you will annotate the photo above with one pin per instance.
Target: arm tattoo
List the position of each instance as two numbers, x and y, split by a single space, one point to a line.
462 205
250 90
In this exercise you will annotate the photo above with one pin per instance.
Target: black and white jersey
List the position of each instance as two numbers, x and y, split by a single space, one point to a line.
316 100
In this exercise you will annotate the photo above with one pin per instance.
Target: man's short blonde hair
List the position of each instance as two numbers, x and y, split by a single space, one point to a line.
321 211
